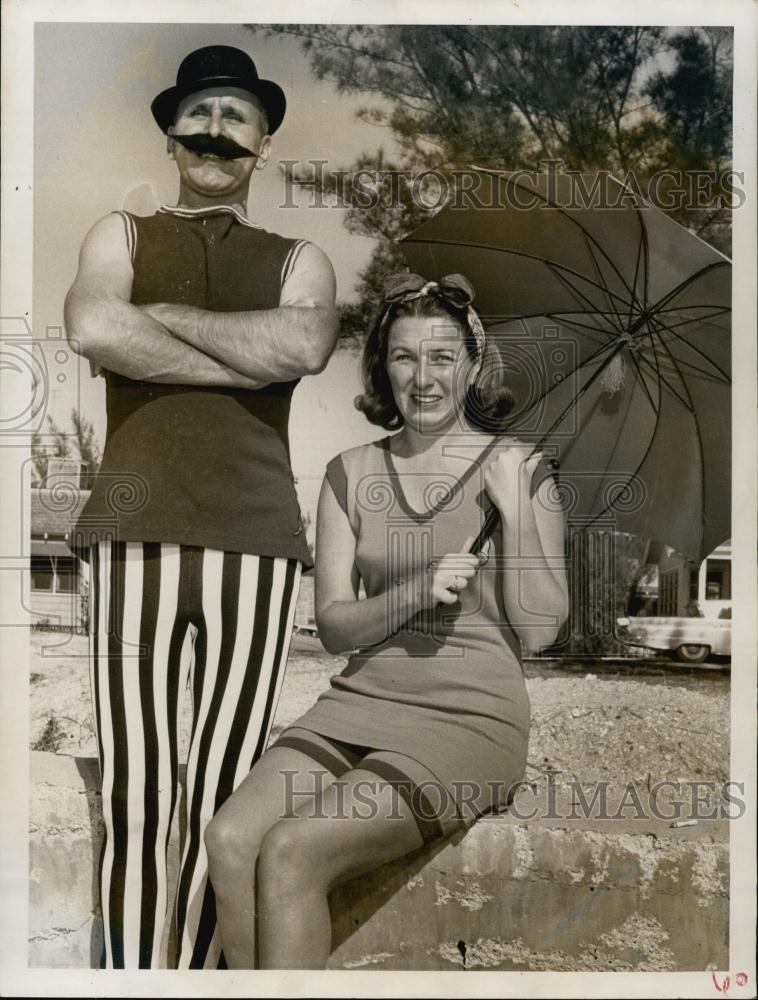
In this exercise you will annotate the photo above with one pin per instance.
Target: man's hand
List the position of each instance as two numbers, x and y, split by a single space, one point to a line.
267 345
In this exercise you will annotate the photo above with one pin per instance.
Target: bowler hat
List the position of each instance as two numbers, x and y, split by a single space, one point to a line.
219 66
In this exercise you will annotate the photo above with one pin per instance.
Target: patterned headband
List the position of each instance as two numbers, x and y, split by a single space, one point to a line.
456 290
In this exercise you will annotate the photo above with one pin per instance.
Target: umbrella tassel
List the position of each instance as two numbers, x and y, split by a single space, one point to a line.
612 379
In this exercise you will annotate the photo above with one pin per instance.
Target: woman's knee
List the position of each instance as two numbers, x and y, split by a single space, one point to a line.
290 854
229 848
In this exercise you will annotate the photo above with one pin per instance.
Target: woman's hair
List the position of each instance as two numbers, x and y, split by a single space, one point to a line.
488 400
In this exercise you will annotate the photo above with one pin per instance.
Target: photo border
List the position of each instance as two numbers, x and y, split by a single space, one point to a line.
16 296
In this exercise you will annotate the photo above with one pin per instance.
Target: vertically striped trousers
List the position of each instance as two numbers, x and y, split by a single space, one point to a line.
162 614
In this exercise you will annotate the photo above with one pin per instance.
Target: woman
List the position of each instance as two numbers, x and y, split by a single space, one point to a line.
427 726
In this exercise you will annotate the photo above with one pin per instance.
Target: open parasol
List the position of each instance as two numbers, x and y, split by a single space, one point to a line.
614 323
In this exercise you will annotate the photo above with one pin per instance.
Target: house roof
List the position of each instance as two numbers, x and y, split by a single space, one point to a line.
56 511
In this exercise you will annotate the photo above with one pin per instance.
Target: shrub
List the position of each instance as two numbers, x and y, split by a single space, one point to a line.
51 737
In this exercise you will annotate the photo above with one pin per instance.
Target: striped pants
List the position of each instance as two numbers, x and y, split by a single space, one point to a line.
163 615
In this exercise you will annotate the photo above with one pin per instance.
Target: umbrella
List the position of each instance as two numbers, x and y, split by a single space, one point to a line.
614 323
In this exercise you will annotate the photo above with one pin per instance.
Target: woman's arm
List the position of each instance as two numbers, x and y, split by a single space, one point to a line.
535 588
347 623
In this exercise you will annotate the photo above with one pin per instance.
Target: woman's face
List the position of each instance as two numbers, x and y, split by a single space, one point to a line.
429 370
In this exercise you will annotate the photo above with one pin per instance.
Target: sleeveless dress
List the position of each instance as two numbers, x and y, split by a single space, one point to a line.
447 690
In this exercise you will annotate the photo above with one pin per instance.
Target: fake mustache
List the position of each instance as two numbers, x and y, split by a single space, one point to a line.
218 145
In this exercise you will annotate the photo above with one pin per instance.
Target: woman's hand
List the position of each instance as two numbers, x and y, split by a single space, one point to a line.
508 479
450 576
535 588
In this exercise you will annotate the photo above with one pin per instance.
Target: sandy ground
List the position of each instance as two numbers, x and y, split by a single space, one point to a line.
586 720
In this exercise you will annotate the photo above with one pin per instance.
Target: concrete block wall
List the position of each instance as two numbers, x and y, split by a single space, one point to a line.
509 894
529 897
63 610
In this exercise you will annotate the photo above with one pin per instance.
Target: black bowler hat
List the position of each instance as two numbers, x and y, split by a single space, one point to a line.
219 66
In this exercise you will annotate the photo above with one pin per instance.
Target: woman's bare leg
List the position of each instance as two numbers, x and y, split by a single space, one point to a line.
356 825
282 779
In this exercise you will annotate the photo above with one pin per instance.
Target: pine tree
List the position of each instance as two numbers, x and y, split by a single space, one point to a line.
629 99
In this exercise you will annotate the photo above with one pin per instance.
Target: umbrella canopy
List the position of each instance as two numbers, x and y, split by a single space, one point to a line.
614 323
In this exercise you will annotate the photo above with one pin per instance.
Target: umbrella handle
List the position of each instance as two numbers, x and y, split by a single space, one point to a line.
490 523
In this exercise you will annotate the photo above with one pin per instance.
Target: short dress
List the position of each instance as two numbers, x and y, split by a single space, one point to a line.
447 690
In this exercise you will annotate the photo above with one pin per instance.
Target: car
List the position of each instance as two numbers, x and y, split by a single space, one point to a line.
689 640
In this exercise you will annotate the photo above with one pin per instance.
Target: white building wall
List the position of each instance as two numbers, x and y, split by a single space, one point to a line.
55 609
712 608
674 562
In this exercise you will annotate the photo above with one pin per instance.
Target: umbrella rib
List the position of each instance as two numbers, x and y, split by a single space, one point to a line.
661 378
580 297
587 235
636 275
632 476
429 241
646 254
563 318
491 519
648 449
668 324
683 340
692 410
559 318
643 231
695 319
690 367
559 419
694 369
543 395
661 303
601 278
658 329
642 382
664 346
491 318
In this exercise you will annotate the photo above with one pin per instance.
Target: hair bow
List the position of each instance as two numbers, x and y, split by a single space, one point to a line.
406 285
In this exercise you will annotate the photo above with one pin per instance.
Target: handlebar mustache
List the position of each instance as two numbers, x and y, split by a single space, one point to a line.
218 145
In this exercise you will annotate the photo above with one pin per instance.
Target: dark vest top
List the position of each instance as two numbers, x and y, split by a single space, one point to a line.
198 465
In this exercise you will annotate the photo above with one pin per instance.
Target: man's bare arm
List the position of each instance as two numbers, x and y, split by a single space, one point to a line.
274 345
103 325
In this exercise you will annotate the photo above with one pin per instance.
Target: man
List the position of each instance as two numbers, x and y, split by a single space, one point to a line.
201 323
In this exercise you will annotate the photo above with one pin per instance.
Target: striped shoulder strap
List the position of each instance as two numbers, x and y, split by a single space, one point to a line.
130 228
289 261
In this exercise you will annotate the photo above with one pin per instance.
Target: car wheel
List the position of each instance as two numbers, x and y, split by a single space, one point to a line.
692 653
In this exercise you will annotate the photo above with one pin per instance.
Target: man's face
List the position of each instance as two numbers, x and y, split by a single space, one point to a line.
220 112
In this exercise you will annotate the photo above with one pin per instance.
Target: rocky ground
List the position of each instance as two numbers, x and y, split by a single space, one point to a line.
623 724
